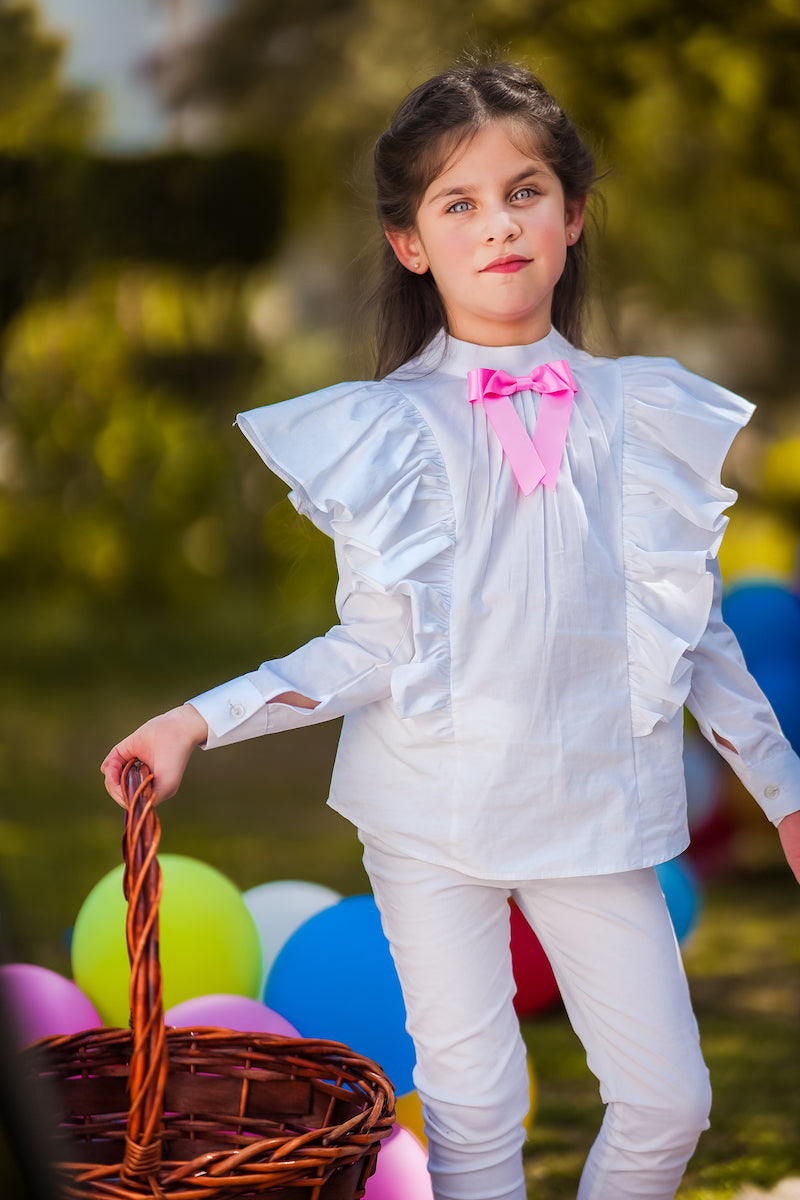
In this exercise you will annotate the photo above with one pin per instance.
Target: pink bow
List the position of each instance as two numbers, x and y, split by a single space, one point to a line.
534 459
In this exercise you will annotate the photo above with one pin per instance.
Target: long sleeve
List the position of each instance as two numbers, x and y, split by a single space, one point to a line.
350 666
725 700
364 467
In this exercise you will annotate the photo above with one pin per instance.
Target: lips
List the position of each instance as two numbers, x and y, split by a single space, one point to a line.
506 265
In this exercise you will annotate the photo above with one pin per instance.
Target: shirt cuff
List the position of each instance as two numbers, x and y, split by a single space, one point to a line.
233 711
774 782
243 708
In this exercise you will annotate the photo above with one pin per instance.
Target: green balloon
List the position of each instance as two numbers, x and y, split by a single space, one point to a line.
208 941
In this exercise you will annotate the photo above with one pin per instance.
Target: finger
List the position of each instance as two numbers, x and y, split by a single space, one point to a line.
114 789
112 768
111 764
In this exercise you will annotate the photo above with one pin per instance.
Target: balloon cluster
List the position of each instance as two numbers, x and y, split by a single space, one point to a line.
323 956
288 957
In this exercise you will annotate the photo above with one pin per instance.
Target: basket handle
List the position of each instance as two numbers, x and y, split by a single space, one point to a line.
142 884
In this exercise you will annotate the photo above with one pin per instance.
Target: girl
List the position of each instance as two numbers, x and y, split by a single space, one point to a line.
526 538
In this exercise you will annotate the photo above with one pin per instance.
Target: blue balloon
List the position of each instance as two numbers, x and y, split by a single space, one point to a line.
335 979
682 894
780 683
766 620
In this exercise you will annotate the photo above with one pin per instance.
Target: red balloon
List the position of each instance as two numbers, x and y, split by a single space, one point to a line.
536 984
713 846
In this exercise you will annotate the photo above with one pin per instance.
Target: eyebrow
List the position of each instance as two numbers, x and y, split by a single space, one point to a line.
464 189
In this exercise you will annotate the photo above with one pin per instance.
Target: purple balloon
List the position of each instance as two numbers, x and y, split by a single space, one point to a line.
227 1011
401 1171
42 1003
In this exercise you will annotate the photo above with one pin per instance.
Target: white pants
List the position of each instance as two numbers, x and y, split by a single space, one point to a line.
612 948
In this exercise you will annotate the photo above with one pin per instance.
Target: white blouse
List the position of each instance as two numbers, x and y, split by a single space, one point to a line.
513 669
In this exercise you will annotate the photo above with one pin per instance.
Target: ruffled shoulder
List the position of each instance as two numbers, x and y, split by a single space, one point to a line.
678 430
365 467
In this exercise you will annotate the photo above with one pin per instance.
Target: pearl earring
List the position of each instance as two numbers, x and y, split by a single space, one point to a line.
417 266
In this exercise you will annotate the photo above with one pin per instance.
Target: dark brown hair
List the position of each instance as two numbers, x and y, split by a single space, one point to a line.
426 130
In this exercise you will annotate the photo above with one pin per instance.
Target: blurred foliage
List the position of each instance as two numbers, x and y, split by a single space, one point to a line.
695 111
64 214
37 108
137 324
130 468
39 114
156 297
122 477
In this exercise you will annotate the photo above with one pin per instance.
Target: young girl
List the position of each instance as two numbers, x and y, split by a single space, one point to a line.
529 594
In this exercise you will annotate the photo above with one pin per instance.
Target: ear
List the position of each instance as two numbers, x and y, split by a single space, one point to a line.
408 250
573 219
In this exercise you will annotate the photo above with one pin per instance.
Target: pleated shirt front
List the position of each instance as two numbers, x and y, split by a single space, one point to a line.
513 669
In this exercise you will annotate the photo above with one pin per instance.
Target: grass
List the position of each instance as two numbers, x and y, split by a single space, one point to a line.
257 812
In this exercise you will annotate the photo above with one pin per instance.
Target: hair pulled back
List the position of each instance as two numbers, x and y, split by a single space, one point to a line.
427 128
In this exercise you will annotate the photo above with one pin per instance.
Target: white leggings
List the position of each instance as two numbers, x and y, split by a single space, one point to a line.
614 954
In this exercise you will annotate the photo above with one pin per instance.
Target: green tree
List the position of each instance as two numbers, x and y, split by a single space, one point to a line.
124 490
123 285
697 111
40 116
117 482
37 108
694 108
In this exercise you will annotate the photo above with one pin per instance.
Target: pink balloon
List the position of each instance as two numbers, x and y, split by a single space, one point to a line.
229 1012
402 1170
42 1003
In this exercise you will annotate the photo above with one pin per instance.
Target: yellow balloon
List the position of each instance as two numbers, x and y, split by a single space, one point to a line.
409 1109
533 1097
758 545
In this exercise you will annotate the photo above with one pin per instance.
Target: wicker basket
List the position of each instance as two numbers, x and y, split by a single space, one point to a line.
211 1113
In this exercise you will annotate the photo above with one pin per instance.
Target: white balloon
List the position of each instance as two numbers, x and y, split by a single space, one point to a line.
279 908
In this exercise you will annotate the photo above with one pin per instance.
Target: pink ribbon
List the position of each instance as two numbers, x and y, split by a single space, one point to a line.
534 459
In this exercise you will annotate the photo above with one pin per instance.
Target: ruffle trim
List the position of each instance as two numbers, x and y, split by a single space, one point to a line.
365 467
678 430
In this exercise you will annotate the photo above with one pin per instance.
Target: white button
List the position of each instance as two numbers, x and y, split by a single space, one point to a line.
237 710
772 791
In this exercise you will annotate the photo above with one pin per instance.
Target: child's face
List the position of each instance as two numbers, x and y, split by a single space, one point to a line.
493 230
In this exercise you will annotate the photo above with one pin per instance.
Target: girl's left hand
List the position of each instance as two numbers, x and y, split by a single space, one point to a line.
789 831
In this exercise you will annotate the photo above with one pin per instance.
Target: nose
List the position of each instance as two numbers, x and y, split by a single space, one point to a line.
501 225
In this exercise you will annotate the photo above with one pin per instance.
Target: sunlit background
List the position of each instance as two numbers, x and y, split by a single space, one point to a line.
185 232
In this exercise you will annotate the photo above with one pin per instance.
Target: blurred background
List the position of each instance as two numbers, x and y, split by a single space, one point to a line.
185 231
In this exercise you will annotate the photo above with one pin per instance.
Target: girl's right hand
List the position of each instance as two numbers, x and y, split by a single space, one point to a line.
165 744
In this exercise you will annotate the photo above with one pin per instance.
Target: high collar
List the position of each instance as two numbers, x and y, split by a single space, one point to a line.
450 356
